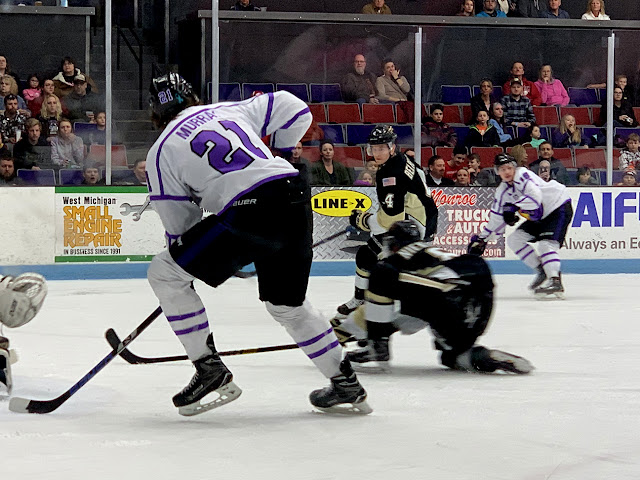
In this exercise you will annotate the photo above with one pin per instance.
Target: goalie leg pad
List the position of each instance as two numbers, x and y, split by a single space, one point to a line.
21 298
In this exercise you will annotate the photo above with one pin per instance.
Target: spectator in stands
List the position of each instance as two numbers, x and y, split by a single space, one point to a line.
63 81
50 115
534 136
507 6
91 175
482 133
327 171
474 167
584 177
623 115
140 171
462 178
296 158
595 11
456 162
630 156
8 86
33 91
8 173
628 179
392 87
483 100
435 176
621 81
6 70
487 177
12 121
497 120
67 149
81 103
531 8
364 180
372 167
313 135
245 6
32 150
551 89
567 134
558 170
359 85
376 7
435 132
518 111
519 153
544 170
529 89
467 9
490 9
35 105
555 11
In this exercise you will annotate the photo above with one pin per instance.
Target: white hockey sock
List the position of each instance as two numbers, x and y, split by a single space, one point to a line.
549 257
313 334
181 304
517 242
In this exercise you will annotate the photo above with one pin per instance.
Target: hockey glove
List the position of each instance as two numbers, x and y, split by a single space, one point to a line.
532 215
509 214
360 220
476 246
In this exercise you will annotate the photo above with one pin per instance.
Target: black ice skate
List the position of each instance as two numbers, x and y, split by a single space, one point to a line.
374 351
212 376
487 361
346 308
344 395
553 288
540 278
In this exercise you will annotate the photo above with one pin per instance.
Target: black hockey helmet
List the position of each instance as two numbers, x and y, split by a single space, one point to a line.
169 95
503 159
400 234
381 135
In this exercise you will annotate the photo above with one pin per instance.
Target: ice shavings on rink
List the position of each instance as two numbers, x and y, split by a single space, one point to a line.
577 416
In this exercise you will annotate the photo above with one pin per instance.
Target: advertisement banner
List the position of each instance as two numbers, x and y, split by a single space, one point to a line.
98 224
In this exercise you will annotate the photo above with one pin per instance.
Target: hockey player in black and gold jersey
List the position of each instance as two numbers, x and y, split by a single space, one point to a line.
453 295
402 194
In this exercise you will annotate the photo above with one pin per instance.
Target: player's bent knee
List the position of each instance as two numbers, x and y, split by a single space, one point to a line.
288 316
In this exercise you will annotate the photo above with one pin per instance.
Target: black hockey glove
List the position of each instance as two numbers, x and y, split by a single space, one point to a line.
360 220
476 246
509 214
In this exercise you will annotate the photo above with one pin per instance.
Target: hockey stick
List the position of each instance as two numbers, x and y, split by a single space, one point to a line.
130 357
249 274
24 405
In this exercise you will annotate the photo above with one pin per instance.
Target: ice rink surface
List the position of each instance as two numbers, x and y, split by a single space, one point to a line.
576 417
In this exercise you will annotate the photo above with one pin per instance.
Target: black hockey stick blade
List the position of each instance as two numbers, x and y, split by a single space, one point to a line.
130 357
24 405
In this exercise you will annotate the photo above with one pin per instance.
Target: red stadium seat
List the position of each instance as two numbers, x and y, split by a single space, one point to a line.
565 156
487 155
118 155
377 113
404 112
425 154
466 114
581 114
595 115
343 113
546 116
445 152
451 114
318 112
348 156
592 158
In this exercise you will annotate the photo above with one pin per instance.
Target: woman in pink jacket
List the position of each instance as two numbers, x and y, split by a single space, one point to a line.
551 89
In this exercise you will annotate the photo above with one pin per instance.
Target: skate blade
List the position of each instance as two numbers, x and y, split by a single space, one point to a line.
550 296
356 408
226 394
371 367
511 363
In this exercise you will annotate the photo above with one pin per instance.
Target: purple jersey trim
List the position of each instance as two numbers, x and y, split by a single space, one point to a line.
493 211
267 117
175 318
324 350
295 117
202 326
254 186
306 343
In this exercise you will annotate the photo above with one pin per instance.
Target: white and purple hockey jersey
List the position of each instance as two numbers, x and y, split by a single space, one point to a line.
211 155
534 197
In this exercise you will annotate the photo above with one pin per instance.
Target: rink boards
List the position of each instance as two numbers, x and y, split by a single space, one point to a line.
81 232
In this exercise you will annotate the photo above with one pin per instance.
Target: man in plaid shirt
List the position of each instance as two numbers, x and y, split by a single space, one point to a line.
12 121
518 110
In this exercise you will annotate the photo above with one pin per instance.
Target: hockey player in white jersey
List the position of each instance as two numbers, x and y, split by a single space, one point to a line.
21 298
211 157
546 208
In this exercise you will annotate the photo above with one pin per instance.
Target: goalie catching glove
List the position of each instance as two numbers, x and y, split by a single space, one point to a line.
360 220
21 298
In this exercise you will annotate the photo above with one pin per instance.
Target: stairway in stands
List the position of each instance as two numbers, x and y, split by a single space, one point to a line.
132 126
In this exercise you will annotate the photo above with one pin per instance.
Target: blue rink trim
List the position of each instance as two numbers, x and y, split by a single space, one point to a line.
100 271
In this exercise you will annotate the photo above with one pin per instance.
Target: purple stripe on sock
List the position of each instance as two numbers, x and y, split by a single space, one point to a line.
313 340
202 326
549 253
526 246
324 350
175 318
522 258
551 261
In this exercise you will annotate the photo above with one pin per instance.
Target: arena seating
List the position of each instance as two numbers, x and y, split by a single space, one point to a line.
44 177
